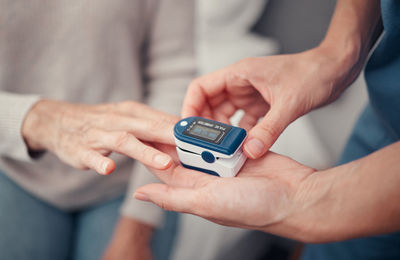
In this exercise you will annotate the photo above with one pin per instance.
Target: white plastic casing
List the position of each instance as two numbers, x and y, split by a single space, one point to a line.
224 165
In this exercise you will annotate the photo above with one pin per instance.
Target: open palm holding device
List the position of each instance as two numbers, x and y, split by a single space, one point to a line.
210 146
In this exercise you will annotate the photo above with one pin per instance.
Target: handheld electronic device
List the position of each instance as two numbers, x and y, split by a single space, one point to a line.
210 146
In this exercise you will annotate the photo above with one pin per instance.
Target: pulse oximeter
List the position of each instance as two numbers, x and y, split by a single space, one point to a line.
210 146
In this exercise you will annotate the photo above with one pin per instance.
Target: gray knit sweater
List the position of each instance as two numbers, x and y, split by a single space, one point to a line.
89 51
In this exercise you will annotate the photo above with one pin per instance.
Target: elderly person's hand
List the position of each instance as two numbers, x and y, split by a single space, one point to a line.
84 135
279 88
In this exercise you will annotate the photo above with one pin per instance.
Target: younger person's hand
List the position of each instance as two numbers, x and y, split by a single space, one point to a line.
278 88
265 194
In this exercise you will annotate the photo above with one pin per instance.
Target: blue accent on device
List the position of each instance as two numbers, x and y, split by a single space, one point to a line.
208 157
210 134
200 169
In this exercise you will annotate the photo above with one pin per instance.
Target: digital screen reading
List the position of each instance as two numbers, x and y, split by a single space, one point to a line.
205 132
208 130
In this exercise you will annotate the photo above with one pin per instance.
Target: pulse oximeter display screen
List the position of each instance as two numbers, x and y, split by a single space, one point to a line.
206 130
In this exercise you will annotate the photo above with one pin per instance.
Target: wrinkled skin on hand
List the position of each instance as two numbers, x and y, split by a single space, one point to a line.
84 135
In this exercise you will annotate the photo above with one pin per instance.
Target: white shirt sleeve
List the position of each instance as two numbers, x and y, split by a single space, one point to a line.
13 108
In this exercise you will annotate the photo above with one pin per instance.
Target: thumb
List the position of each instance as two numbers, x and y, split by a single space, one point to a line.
264 134
168 198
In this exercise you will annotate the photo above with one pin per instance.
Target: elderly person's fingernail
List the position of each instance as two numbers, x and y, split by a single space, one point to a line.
162 161
254 148
104 168
107 167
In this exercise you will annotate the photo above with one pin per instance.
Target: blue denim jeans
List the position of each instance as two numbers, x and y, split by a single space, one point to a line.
31 229
369 135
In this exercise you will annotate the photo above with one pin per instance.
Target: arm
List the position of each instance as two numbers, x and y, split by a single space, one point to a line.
353 200
354 29
284 87
278 195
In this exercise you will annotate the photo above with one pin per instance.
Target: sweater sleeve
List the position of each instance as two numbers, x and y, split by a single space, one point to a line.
170 66
13 108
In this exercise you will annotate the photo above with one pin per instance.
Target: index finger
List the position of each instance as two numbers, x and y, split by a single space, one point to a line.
201 90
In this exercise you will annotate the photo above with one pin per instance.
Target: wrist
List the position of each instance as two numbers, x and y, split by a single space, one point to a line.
309 198
353 30
36 127
308 219
318 213
343 63
343 56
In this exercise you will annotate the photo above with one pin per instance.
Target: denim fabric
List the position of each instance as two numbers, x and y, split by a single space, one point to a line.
93 229
31 229
382 71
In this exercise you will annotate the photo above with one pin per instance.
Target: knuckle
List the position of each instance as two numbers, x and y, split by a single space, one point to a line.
102 121
109 107
121 139
197 81
107 115
269 130
246 63
127 105
198 84
232 76
102 108
240 71
85 159
246 60
142 153
146 153
156 125
88 137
